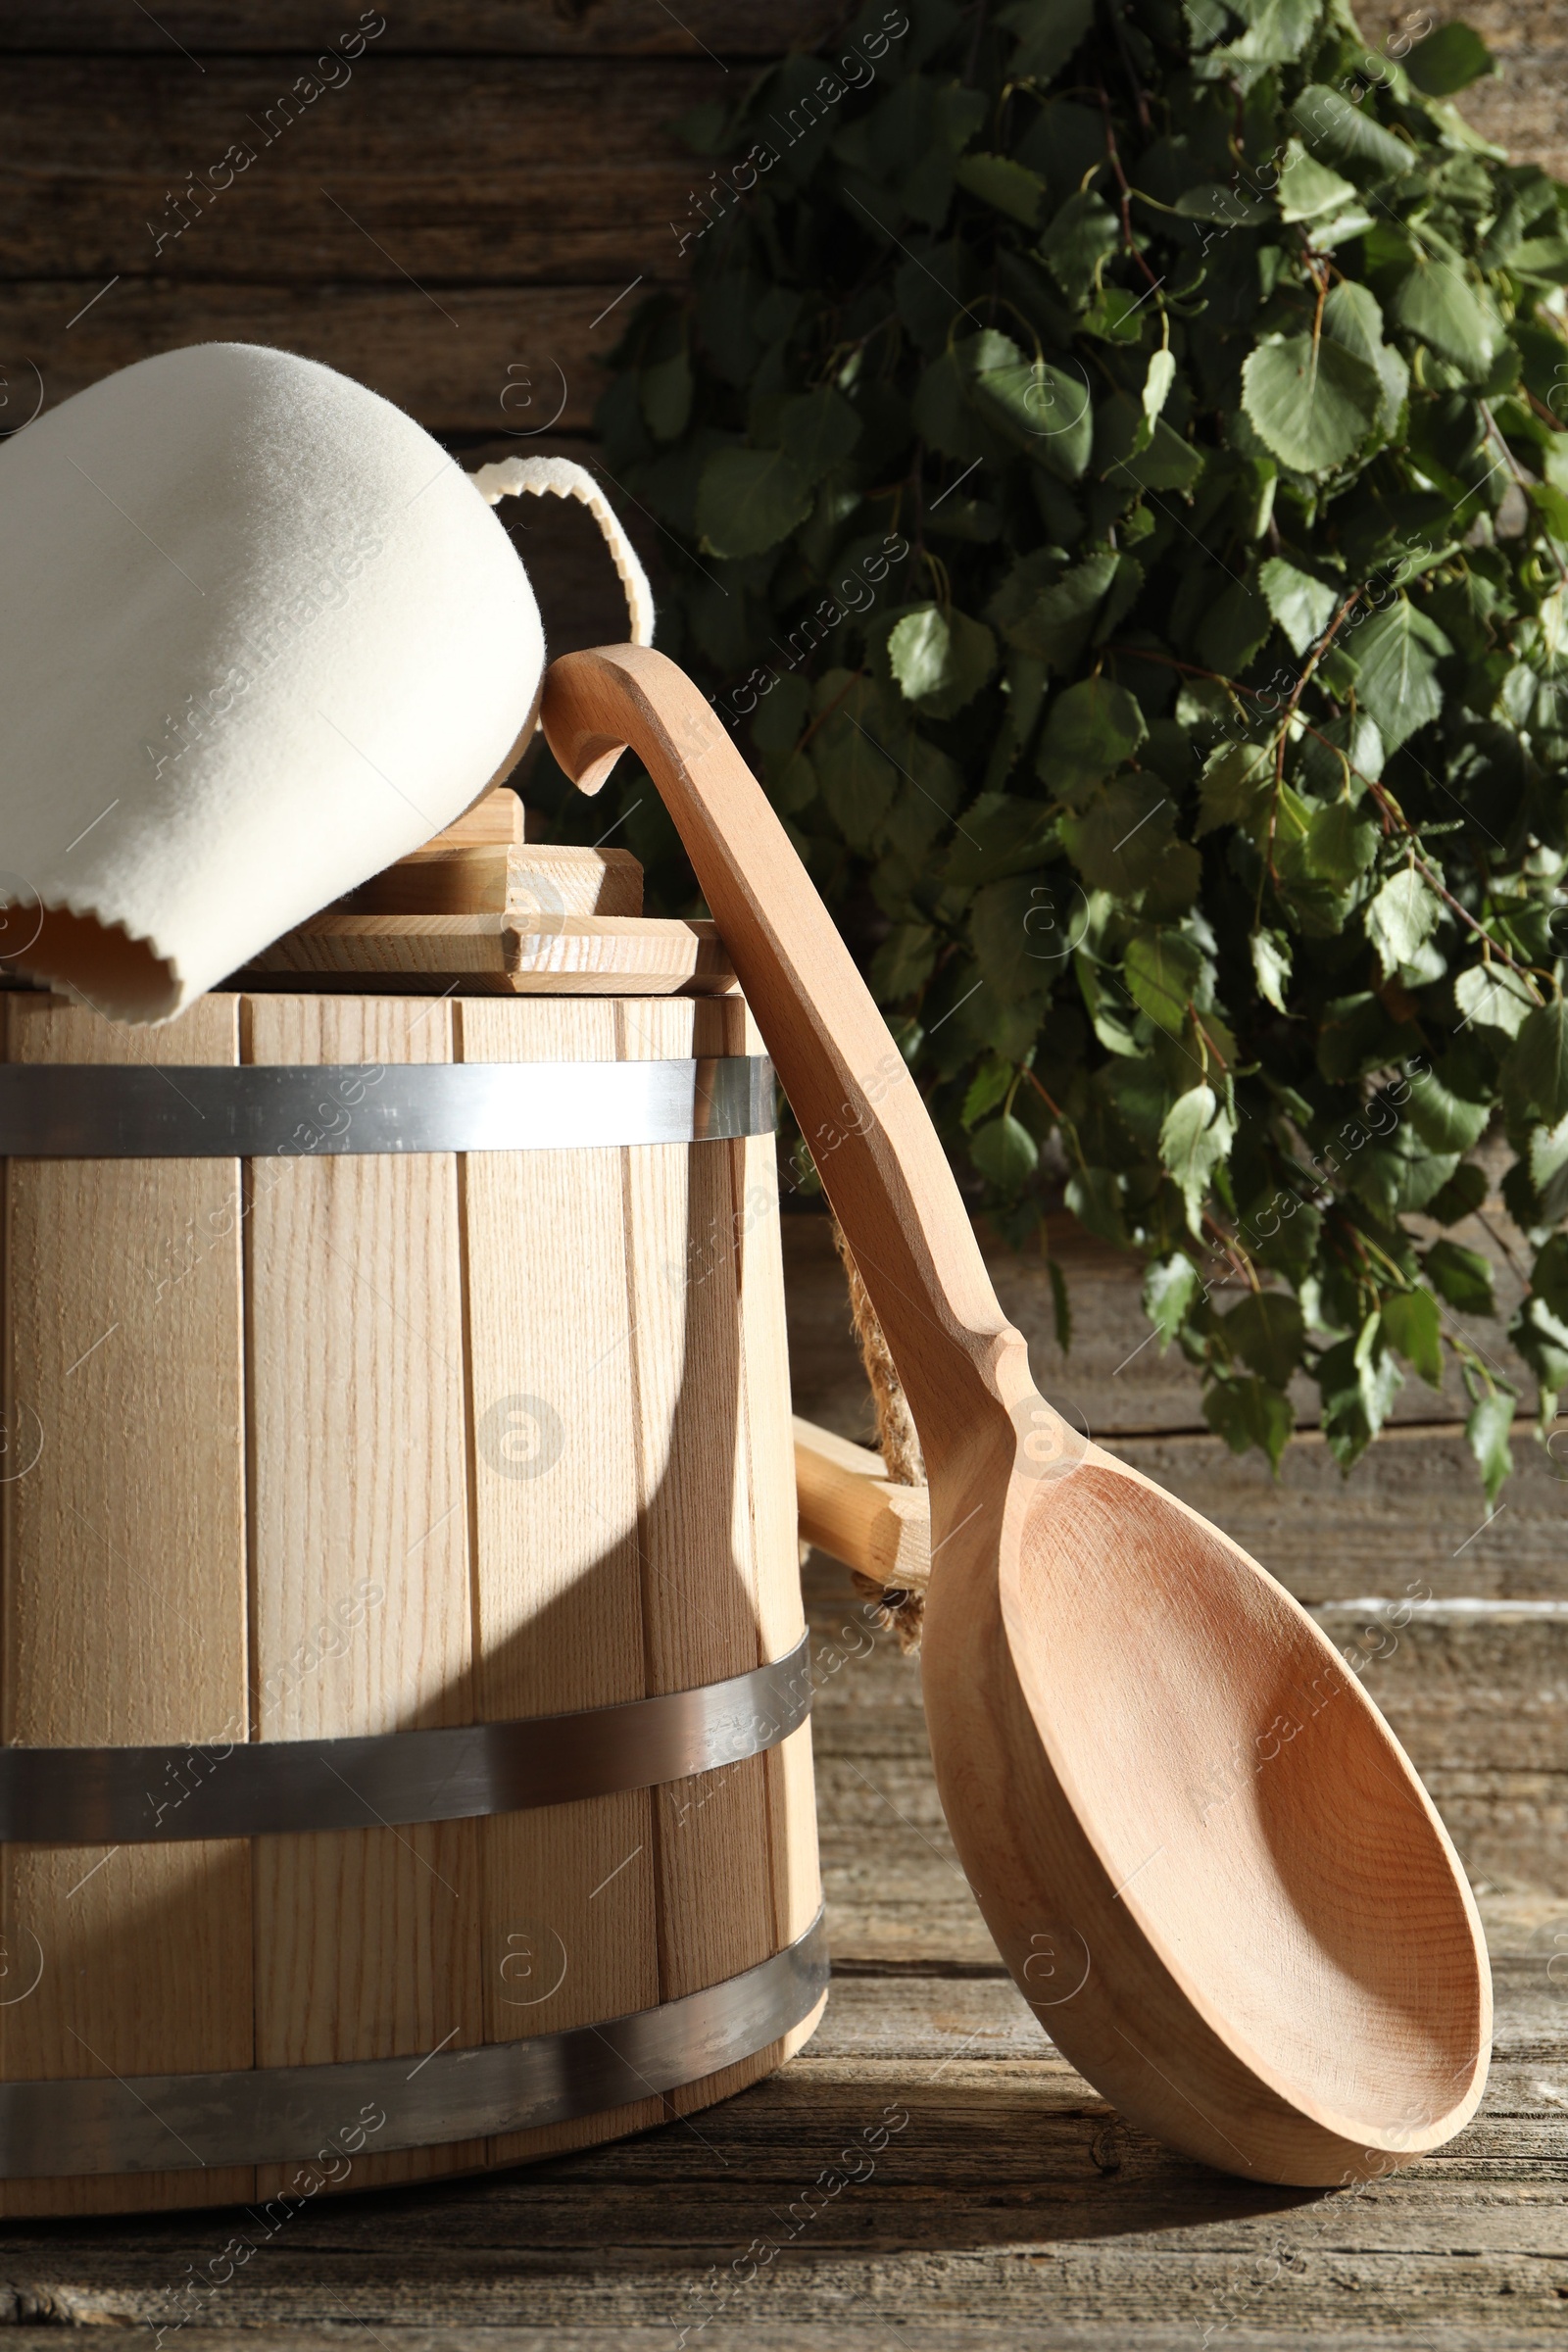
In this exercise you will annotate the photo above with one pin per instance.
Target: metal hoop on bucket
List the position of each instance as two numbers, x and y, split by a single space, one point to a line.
183 2123
271 1788
82 1110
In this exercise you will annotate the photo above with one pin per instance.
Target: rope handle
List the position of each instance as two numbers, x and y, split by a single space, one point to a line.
559 477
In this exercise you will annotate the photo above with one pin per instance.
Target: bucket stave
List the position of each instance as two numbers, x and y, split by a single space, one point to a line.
343 1444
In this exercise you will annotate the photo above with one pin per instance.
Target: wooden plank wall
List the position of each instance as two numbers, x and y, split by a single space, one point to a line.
464 219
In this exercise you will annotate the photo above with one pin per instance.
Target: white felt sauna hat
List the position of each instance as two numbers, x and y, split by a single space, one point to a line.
259 637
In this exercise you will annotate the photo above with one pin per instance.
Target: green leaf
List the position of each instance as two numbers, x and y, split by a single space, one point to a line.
1128 450
1078 241
1277 33
1445 1120
1337 847
1397 661
1093 1196
1233 629
1544 258
1460 1198
1170 1284
666 394
1091 728
1347 135
902 962
1043 409
987 1088
1157 382
1111 1011
1358 1033
999 835
1402 918
1401 1175
1487 1431
1123 834
1235 787
941 660
1267 1332
998 180
818 431
1413 1324
948 418
1542 1340
796 786
1535 1069
749 498
1302 606
857 780
1271 966
1209 200
1193 1140
1461 1276
1007 1153
1493 996
780 721
1358 1384
1308 189
1162 970
1049 31
1447 59
1549 1169
1053 619
1248 1413
1314 408
1434 302
1550 1276
1352 316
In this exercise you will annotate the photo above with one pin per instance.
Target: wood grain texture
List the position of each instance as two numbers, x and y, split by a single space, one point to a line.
494 821
1013 2207
796 1882
539 883
1391 1532
1308 1962
124 1614
389 337
851 1508
504 954
705 1551
570 1926
453 1505
1476 1697
367 1941
528 172
593 28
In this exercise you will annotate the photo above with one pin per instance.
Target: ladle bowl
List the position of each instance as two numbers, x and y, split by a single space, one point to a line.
1204 1857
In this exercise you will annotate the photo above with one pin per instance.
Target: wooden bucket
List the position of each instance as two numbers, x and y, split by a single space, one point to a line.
339 1451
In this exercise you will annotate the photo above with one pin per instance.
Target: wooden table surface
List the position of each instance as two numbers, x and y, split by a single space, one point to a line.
1010 2204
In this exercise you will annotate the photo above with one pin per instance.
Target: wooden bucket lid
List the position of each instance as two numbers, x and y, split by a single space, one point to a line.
480 911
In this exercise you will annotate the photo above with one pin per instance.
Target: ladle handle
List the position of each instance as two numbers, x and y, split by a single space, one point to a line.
861 1114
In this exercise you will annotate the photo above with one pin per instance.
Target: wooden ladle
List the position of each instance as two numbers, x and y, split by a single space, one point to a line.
1204 1857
